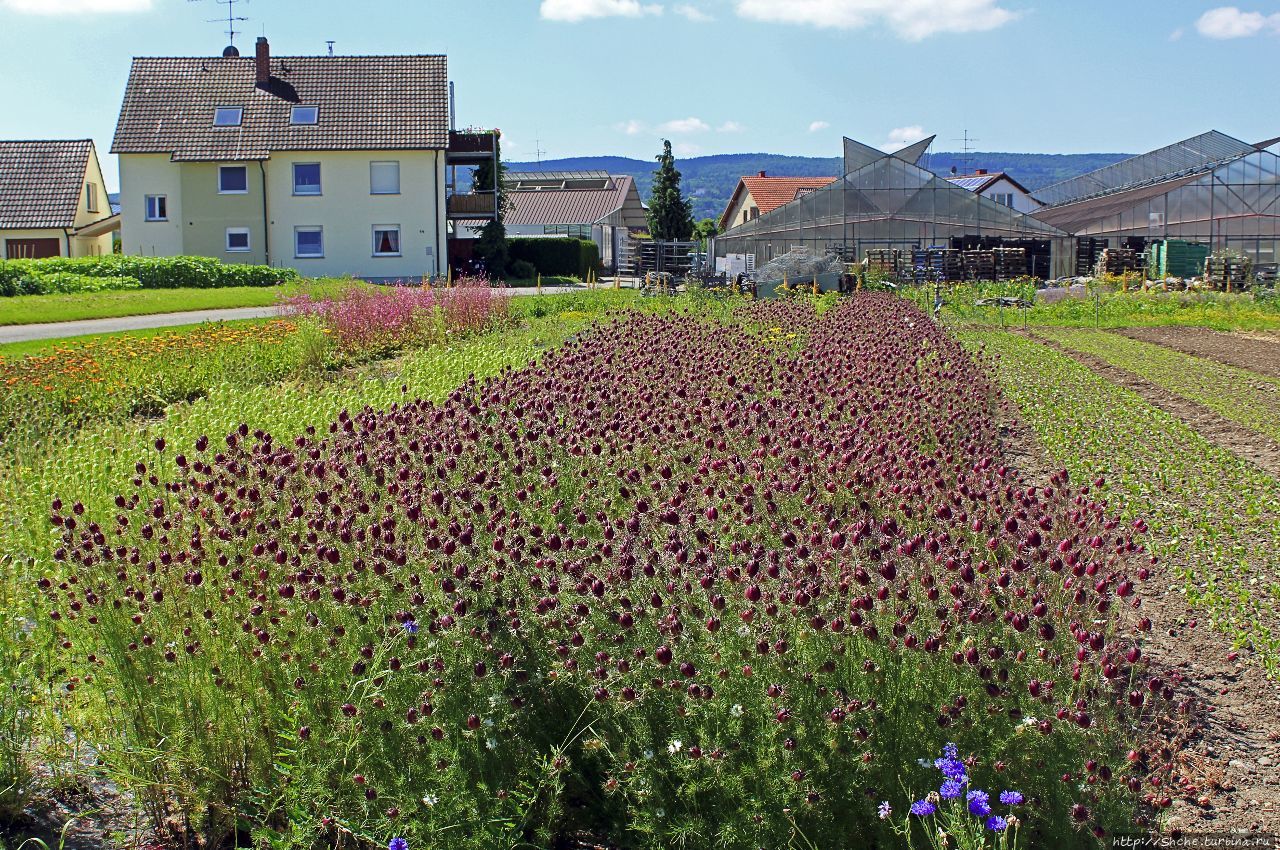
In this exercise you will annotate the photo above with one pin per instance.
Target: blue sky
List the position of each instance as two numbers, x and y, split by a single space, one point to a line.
613 77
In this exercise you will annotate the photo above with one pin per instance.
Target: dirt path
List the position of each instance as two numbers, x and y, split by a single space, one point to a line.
1258 353
1231 755
1237 439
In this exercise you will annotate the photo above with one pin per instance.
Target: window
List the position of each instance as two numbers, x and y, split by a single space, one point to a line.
157 208
308 242
233 179
384 178
1004 199
304 115
574 231
386 240
91 197
755 213
237 240
306 178
227 116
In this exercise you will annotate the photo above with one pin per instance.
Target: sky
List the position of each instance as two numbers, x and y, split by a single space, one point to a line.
614 77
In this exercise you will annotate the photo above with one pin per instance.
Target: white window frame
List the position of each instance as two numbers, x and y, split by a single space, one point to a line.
238 231
91 197
221 112
307 193
224 191
294 112
308 228
373 165
160 208
399 243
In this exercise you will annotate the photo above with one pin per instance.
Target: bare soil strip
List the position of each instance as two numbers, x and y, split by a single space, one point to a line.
1231 755
1237 439
1256 352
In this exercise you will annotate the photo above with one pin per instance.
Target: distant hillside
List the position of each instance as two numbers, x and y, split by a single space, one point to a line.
710 180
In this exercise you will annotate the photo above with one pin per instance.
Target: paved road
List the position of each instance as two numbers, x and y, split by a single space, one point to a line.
84 327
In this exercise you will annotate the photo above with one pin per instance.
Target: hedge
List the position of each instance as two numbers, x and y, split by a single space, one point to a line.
555 256
48 283
22 277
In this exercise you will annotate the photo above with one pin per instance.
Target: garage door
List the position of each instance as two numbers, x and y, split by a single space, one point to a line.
32 249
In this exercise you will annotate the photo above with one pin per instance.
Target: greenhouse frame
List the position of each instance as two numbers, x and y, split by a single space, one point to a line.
887 200
1211 189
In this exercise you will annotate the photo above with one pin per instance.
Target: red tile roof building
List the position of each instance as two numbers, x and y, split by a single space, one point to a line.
756 196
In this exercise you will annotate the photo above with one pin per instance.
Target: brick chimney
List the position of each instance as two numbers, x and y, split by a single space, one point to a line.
763 174
262 61
981 171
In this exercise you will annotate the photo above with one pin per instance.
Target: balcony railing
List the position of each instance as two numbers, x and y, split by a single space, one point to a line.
471 145
473 205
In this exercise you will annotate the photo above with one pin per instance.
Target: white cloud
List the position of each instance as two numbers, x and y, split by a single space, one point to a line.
730 127
75 7
573 11
693 13
900 137
1177 34
686 149
631 128
684 125
910 19
818 126
1231 22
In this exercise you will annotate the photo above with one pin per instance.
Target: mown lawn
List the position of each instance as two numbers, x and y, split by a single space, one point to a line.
33 309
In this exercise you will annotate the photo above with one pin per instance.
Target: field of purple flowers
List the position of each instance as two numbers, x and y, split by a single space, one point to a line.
743 577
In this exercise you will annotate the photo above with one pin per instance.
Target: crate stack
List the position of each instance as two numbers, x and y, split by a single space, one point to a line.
1088 250
1176 258
1010 263
886 261
980 264
1118 261
1228 272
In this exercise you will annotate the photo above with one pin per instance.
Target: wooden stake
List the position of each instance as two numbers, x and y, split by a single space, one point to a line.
539 283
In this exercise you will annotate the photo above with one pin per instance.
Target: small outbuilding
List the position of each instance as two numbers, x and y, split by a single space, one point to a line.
53 200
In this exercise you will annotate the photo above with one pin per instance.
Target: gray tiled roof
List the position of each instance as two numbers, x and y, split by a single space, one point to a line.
41 182
364 103
567 206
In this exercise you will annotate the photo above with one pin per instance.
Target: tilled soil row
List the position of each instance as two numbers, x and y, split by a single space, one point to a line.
1256 353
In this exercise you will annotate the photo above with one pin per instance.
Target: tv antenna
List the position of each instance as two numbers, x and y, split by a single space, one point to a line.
231 19
537 150
968 147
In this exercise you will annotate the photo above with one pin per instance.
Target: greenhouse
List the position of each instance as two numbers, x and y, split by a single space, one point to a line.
1211 189
889 203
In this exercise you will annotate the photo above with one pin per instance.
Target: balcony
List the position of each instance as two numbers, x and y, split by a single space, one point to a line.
471 147
474 205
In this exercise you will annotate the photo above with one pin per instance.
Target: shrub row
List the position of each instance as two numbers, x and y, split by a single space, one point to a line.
38 277
569 257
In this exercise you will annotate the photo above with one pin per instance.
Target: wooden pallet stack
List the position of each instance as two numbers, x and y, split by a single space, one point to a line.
1010 263
1118 261
1228 273
888 262
936 264
980 264
1088 250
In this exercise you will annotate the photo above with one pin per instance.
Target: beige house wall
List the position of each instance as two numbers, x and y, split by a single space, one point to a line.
744 204
82 246
150 174
207 213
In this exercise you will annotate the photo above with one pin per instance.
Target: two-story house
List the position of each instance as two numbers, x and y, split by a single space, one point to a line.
999 187
333 165
53 201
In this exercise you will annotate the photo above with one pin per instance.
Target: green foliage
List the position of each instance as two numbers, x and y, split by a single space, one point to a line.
491 246
567 257
63 274
670 215
705 229
1214 515
522 270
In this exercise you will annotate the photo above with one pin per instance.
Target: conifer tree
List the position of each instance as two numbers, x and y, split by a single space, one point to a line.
670 214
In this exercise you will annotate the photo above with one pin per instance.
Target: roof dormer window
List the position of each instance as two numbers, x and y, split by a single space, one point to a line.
227 116
304 115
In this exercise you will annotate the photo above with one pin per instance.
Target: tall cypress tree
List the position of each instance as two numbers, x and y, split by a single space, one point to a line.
670 215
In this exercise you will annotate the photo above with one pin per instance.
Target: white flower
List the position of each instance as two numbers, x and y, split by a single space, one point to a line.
430 800
488 721
648 754
491 743
744 631
923 762
674 747
660 812
1029 721
736 711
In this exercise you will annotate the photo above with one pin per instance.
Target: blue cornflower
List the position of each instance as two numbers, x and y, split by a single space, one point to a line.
951 789
995 823
979 803
397 844
1011 798
923 808
885 810
951 768
951 751
412 628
